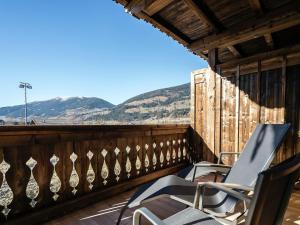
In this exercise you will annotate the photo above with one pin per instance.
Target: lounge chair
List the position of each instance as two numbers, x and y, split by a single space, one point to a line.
268 204
257 156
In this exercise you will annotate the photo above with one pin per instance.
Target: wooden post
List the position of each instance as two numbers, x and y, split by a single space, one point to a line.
283 89
237 109
258 94
218 122
211 113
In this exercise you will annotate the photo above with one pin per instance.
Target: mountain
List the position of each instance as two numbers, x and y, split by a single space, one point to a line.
163 105
168 105
55 107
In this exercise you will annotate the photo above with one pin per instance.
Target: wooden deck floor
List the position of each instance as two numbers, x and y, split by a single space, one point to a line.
106 212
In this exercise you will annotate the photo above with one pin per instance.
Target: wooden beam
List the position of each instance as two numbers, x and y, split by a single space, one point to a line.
157 6
201 14
162 27
237 110
170 31
266 65
234 51
151 8
277 20
256 6
269 40
135 6
262 56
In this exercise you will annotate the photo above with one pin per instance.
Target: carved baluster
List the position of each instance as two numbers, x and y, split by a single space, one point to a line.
147 161
74 178
138 163
90 174
179 150
154 158
104 170
174 151
168 156
161 157
6 194
128 163
184 153
117 168
32 188
55 183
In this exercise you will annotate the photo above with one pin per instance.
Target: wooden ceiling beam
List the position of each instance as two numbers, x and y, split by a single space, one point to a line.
135 6
167 30
234 51
157 6
201 14
277 20
256 6
261 56
269 40
149 7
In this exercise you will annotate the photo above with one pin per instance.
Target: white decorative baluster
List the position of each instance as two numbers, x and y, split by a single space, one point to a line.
74 178
104 170
154 158
184 149
161 157
55 183
147 162
6 194
138 163
117 168
32 188
128 163
90 174
179 150
168 156
174 151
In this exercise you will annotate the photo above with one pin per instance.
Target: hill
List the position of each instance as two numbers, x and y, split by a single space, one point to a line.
168 105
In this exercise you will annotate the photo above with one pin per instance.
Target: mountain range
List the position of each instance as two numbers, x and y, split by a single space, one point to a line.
168 105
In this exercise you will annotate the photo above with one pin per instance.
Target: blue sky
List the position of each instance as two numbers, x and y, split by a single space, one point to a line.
84 48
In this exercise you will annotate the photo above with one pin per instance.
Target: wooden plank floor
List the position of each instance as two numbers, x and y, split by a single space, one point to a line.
106 212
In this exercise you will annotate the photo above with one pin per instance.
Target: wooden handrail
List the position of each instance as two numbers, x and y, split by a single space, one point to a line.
47 166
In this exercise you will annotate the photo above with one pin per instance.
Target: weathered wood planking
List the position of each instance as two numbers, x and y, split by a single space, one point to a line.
146 144
264 97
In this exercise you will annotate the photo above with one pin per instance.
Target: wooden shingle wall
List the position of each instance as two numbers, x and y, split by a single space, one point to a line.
225 110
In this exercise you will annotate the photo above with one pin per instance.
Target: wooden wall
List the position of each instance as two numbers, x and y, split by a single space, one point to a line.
225 110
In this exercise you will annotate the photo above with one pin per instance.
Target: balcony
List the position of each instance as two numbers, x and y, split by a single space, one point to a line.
85 174
51 170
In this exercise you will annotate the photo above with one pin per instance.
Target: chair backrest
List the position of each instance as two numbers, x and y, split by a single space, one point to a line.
272 192
257 156
258 153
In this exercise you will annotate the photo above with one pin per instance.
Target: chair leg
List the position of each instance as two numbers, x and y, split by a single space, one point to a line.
121 214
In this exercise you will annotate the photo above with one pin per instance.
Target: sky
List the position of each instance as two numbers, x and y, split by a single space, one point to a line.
90 48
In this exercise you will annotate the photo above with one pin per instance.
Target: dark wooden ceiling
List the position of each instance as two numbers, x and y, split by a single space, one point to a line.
237 28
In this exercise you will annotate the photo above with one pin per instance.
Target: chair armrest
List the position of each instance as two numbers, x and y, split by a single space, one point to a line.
227 153
152 218
236 186
211 165
219 168
198 200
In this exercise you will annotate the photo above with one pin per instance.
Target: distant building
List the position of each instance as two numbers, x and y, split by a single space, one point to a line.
2 122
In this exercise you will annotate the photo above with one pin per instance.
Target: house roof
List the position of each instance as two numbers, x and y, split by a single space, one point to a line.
239 29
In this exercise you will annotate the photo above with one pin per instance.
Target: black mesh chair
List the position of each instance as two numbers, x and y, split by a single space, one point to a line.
257 156
267 206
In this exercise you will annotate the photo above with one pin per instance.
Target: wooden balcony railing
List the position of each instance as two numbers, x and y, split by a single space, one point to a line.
50 170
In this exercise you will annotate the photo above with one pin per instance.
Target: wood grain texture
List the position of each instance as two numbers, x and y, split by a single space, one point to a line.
259 97
18 144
